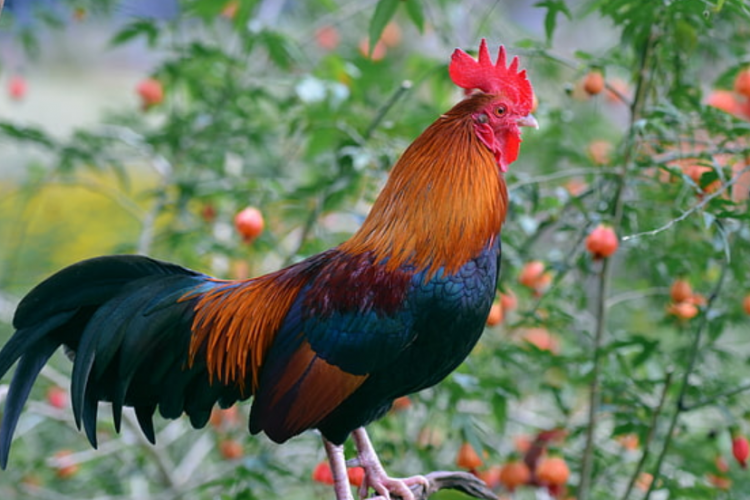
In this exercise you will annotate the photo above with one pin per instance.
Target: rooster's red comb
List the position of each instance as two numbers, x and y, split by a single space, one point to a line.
497 78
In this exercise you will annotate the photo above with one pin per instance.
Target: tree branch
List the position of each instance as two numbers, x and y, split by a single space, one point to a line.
462 481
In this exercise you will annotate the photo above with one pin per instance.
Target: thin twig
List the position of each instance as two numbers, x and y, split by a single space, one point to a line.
650 437
705 201
685 382
163 462
715 397
557 175
402 89
605 278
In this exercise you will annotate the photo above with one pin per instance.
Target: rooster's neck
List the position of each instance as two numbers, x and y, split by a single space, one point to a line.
444 203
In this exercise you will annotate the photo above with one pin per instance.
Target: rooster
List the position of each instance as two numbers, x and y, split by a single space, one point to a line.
327 343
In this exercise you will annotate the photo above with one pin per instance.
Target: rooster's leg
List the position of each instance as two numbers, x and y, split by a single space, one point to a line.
338 469
376 477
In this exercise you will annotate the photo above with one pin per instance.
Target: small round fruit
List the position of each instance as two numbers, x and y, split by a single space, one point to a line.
467 458
356 476
495 316
508 301
57 397
644 481
151 92
552 471
327 37
322 473
742 82
378 52
490 476
531 273
746 304
17 88
401 404
593 83
230 9
514 474
629 441
602 242
230 449
542 339
249 223
391 35
65 466
683 310
741 450
681 291
720 482
600 152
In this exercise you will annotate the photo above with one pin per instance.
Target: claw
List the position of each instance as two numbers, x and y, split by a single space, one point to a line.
375 475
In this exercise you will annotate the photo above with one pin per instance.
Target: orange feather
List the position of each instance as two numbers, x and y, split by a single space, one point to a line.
313 389
235 324
456 180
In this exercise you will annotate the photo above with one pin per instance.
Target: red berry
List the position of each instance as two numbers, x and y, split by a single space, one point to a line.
746 304
742 82
356 476
151 92
322 473
602 242
533 276
740 450
57 397
327 37
17 88
249 223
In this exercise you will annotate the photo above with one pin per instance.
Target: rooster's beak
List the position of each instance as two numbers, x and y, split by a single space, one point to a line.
527 121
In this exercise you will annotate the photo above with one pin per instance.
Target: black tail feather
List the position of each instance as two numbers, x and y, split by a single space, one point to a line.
28 369
124 319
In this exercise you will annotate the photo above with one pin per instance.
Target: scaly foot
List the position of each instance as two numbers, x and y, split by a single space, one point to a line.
375 475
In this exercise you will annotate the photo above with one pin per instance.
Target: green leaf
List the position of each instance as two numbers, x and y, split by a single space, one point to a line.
553 7
415 11
384 12
134 30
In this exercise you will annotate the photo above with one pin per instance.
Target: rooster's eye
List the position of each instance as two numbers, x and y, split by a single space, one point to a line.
500 110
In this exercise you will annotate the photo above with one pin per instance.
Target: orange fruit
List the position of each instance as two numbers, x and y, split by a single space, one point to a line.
742 82
593 82
495 316
683 310
231 449
378 52
514 474
602 242
681 291
552 471
467 458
